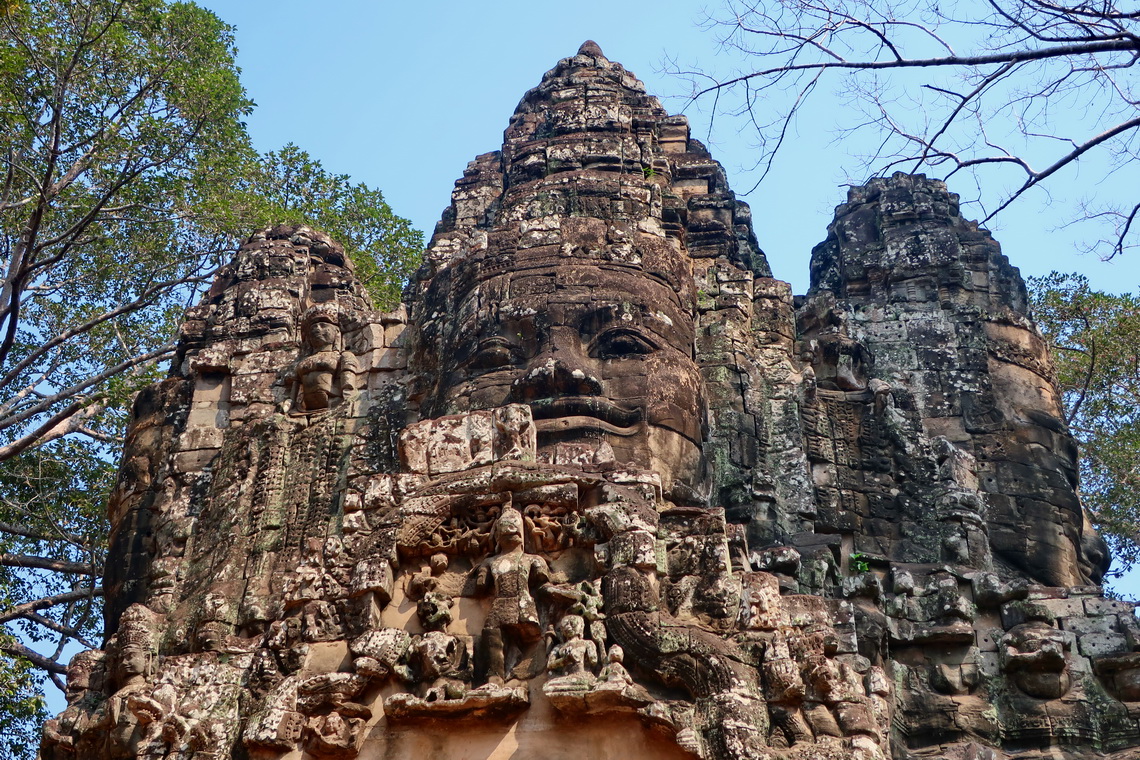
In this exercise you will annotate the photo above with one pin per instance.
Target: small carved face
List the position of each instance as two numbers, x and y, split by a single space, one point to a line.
439 656
322 335
133 662
571 627
434 611
81 674
211 637
599 353
438 563
509 529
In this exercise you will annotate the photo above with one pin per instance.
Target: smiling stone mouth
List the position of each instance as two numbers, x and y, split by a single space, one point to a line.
584 412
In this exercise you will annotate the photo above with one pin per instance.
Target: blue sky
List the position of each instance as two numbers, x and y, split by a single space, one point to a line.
402 95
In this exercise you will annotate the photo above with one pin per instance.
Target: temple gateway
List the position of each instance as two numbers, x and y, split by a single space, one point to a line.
603 488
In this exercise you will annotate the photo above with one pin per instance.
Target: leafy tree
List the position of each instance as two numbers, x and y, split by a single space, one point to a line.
126 179
290 186
23 707
1010 92
1096 348
119 117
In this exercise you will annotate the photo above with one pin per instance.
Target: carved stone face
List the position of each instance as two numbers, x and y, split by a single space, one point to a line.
509 530
571 627
211 637
133 664
81 674
602 354
322 336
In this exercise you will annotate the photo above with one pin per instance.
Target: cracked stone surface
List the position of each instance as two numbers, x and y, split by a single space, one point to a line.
603 487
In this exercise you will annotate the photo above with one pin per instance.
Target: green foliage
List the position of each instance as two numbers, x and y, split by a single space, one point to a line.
123 121
290 186
130 179
56 495
859 563
121 124
126 178
1096 348
22 709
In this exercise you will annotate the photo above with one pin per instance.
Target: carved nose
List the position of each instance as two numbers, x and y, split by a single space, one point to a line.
553 378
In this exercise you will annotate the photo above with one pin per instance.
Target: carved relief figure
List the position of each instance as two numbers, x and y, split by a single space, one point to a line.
327 374
64 736
511 577
130 709
440 664
575 657
587 604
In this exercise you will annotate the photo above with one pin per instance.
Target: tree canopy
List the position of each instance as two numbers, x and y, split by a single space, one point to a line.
290 186
1096 347
126 179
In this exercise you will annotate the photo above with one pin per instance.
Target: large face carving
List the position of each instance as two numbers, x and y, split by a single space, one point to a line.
601 352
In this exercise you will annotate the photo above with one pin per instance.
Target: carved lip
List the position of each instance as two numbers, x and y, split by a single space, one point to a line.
590 412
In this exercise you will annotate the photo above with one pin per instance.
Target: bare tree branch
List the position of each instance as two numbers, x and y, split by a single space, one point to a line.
949 61
1000 99
22 530
49 601
69 632
46 563
60 424
17 649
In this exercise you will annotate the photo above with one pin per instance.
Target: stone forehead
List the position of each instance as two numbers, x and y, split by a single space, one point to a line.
87 659
657 267
587 283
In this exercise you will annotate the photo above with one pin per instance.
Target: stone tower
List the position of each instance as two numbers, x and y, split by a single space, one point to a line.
602 487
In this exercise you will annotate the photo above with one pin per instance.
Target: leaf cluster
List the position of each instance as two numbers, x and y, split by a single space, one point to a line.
127 178
291 186
22 707
119 117
1095 338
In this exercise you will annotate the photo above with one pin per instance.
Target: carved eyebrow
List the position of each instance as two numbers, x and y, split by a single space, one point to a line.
654 320
494 340
647 338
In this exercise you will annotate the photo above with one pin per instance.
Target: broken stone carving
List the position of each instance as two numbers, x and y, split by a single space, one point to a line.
601 483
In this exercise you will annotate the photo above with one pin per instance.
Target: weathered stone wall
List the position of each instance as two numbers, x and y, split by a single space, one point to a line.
907 293
602 486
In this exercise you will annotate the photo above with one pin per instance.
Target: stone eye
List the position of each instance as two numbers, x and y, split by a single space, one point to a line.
492 353
621 343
